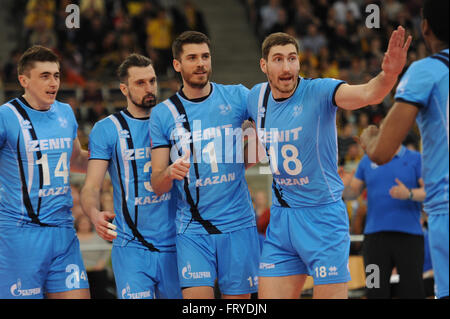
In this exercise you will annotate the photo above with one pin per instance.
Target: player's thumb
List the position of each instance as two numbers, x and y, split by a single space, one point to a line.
109 215
186 156
399 182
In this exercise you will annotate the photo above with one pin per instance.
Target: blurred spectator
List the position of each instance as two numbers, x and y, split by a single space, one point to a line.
345 139
303 18
269 16
92 93
10 67
160 36
342 7
313 40
97 112
194 17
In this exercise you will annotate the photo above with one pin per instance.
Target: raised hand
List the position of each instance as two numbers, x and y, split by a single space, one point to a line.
395 57
180 168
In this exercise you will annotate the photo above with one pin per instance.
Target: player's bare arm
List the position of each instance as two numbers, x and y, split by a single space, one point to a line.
253 149
163 174
79 159
351 97
90 200
380 144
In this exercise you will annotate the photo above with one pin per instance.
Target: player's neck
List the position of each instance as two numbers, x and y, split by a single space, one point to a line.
438 46
138 112
193 93
34 104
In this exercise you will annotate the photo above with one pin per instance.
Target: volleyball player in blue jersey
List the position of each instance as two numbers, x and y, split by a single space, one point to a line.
39 251
144 254
422 96
197 149
295 118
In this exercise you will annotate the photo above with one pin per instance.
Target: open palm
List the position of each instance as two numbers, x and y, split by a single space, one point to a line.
395 57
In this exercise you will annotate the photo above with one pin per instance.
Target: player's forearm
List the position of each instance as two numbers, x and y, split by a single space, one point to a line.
79 163
161 181
253 152
90 201
379 87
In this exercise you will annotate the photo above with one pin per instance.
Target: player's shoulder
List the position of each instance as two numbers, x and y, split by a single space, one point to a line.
426 67
4 109
233 91
257 87
161 109
62 106
105 124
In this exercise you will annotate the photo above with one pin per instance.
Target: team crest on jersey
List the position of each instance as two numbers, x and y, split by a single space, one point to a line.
261 111
373 165
181 118
297 110
62 122
124 134
25 124
224 109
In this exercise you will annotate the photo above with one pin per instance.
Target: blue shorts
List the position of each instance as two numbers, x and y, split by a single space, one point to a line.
231 258
144 274
439 242
309 240
35 260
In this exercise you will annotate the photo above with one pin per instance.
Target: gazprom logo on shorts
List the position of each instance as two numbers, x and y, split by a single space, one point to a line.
127 294
266 266
187 273
17 291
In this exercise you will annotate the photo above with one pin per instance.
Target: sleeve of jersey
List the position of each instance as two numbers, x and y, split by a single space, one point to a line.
244 93
99 142
158 137
74 121
2 132
329 87
415 86
360 170
252 105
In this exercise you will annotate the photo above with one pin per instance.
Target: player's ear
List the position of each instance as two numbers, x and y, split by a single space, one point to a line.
176 65
23 80
425 27
124 89
263 65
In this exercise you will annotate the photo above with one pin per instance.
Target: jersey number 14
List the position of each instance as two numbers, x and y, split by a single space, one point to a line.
61 169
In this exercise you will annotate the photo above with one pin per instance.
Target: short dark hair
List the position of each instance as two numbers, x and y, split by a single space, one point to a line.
133 59
36 53
278 38
436 13
188 37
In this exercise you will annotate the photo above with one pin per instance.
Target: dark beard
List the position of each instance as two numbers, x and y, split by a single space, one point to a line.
144 105
197 85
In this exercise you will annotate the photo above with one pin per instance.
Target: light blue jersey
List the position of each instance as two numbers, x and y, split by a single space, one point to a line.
124 141
214 198
35 151
425 84
300 136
